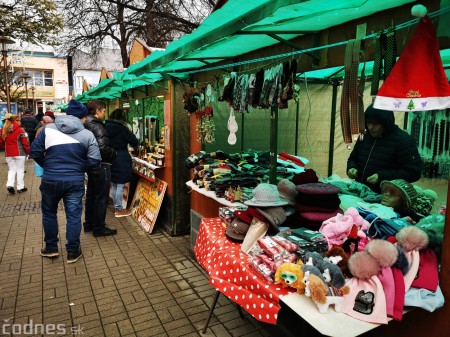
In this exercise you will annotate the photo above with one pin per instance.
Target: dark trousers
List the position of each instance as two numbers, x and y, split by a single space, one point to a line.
97 197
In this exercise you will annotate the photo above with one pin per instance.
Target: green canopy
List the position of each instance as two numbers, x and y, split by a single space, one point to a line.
240 27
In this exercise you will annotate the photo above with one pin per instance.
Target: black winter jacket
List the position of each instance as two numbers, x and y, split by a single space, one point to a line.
96 126
29 124
120 136
393 156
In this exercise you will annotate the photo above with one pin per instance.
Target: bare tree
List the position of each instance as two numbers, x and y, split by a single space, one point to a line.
33 21
95 24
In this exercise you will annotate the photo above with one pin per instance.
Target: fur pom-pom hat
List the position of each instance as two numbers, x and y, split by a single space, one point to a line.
362 265
412 238
383 251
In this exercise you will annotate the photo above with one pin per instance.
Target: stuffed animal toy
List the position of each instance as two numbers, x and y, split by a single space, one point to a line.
312 270
290 275
314 259
337 256
318 292
333 275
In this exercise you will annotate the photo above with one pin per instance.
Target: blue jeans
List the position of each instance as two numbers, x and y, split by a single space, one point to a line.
117 195
97 197
71 192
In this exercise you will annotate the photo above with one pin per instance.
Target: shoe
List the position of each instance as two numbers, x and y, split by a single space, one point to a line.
74 256
11 190
105 232
121 213
22 190
87 228
48 253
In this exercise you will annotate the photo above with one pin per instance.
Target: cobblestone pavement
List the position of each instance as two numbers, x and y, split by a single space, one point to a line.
131 284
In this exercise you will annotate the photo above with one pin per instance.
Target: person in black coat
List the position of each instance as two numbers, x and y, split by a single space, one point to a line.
120 137
99 178
386 152
29 124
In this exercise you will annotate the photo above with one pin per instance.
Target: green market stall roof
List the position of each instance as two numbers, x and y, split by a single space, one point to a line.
240 27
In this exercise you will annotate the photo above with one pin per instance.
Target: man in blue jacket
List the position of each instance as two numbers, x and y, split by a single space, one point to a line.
386 152
66 150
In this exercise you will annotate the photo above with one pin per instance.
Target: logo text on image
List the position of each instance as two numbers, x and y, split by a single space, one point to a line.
31 328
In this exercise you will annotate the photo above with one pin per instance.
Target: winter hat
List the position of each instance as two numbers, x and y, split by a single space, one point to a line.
408 191
237 229
399 300
414 260
287 191
76 109
417 82
274 215
50 114
243 215
425 299
424 202
318 189
366 300
387 280
266 195
433 225
309 176
428 275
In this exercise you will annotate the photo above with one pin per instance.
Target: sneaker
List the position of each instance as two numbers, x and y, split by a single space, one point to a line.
105 232
121 213
74 256
22 190
11 190
49 253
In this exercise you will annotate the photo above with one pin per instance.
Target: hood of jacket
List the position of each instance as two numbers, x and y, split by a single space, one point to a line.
69 124
115 127
384 117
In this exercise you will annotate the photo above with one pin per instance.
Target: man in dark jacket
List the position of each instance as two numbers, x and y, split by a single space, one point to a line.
385 153
99 178
29 124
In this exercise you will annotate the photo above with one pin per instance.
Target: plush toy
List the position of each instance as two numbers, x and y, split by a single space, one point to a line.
337 256
312 270
290 275
333 275
319 293
314 259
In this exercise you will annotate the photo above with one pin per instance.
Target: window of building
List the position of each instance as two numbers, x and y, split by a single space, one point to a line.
80 82
42 78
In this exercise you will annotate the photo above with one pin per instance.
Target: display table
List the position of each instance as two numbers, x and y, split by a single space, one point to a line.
230 274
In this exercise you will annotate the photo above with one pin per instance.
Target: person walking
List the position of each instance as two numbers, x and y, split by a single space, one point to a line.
65 149
120 137
45 121
29 124
17 148
99 178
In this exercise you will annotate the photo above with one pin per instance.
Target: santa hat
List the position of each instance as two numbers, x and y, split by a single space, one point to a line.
418 81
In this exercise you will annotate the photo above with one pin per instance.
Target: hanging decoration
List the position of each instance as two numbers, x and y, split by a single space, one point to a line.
418 81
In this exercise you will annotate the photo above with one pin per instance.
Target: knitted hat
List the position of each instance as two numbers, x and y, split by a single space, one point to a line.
424 202
50 113
387 280
366 300
318 189
266 195
417 81
287 191
237 230
274 215
427 275
408 191
76 109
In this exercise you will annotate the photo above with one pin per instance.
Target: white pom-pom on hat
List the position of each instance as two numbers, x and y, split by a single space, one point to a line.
419 11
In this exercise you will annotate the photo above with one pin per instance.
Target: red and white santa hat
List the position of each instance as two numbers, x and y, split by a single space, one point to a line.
417 81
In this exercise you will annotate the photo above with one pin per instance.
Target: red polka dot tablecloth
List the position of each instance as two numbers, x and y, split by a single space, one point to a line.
229 272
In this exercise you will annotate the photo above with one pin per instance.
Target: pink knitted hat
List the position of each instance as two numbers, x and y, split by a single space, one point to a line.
428 275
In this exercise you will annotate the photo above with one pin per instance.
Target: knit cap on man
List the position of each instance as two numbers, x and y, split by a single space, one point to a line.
76 109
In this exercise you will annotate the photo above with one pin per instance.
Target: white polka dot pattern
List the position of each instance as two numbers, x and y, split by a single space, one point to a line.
227 267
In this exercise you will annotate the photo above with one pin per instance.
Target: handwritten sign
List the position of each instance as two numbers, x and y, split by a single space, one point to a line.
147 201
